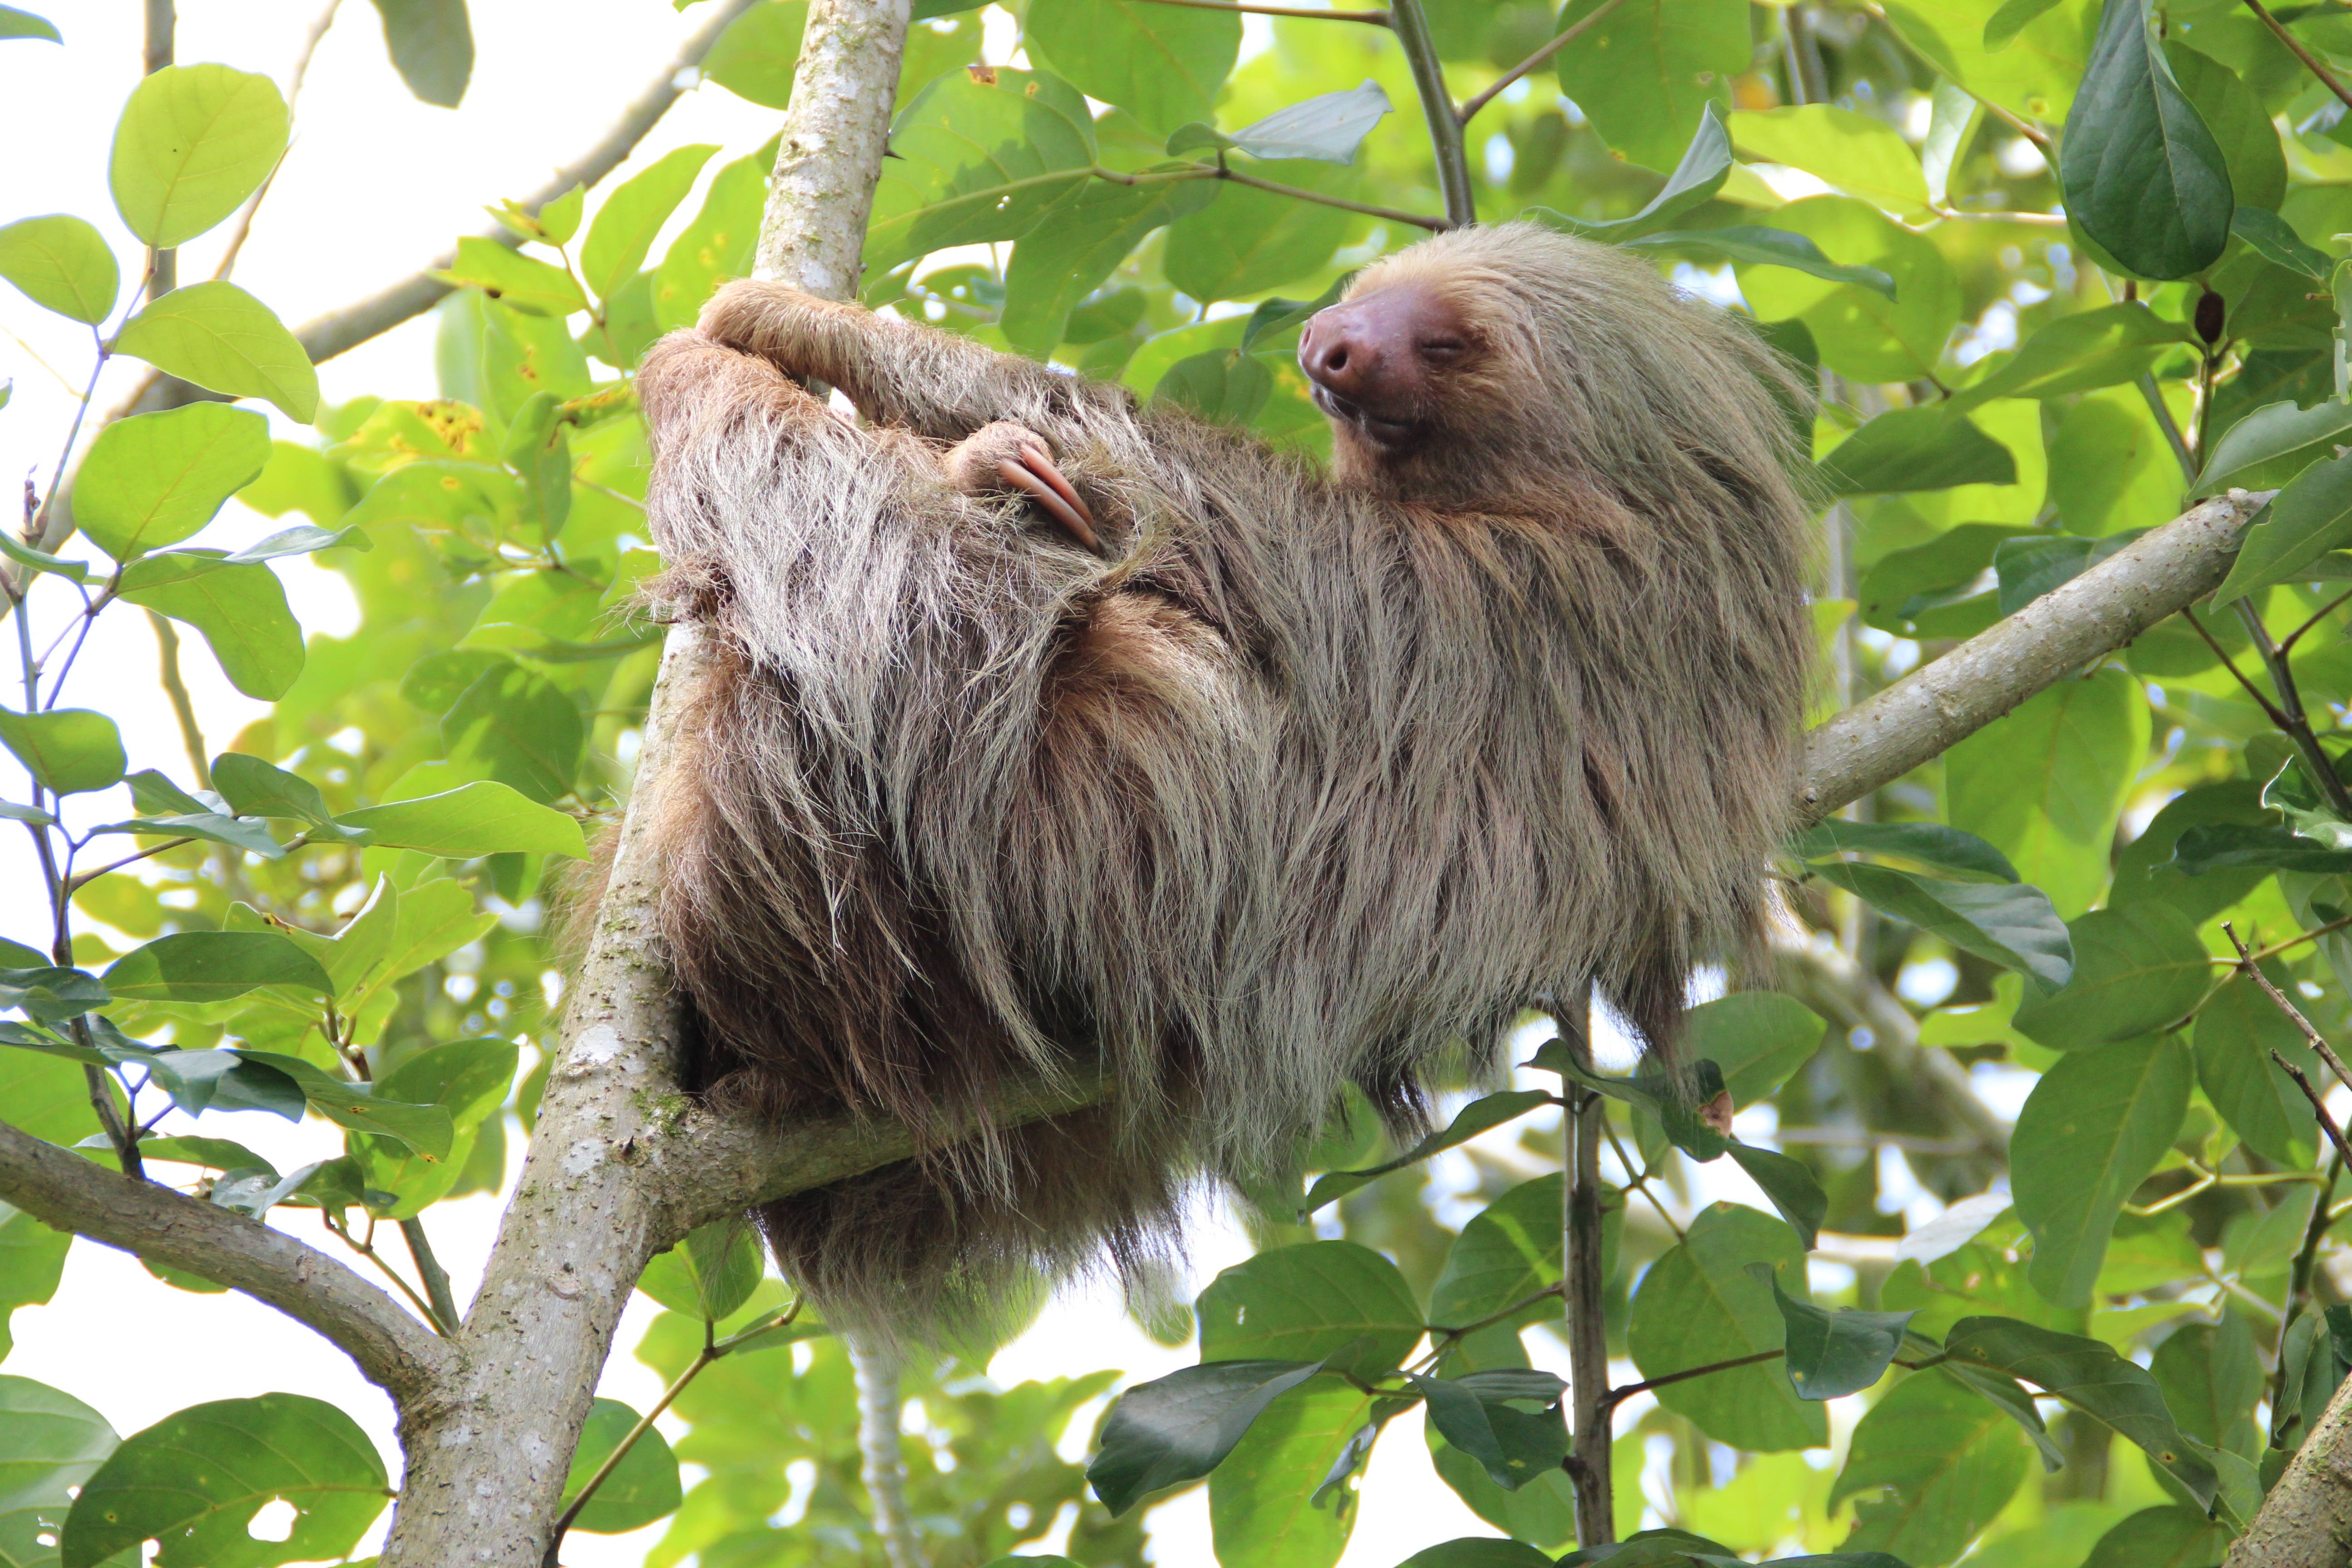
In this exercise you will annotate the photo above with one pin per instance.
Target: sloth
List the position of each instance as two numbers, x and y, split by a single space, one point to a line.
1241 783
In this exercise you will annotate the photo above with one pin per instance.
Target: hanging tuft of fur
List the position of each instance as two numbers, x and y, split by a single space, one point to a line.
1318 780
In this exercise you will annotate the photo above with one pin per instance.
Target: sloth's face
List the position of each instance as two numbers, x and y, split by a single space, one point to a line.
1381 361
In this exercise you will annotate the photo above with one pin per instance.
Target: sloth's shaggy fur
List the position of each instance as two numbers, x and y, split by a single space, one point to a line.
1320 779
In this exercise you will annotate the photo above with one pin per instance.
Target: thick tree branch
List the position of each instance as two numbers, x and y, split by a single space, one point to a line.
66 1192
1922 715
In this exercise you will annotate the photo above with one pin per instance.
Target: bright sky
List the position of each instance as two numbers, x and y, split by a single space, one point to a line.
375 184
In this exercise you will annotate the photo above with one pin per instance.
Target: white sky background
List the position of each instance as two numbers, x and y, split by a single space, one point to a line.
376 184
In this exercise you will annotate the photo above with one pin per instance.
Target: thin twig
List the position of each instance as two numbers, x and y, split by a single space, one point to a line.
367 1249
1618 1395
2299 1279
2297 724
2318 1107
2294 46
1412 27
76 883
1211 172
1640 1179
2286 644
1559 41
1373 19
429 1269
2036 220
2154 395
192 737
2261 698
2278 947
2318 1041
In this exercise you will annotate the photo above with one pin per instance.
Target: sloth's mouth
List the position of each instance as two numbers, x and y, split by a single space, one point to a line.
1388 435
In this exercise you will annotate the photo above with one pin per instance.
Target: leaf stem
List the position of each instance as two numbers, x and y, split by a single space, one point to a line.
2291 716
2295 47
367 1249
1618 1395
2286 645
1559 42
1211 172
2318 1041
1640 1179
1412 27
2314 934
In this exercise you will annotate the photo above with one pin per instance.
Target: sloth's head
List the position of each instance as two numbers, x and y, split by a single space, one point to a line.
1494 364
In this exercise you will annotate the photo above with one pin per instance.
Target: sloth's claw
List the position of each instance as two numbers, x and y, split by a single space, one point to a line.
1033 472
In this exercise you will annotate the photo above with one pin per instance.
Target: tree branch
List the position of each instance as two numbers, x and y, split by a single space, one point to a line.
1412 33
66 1192
1922 715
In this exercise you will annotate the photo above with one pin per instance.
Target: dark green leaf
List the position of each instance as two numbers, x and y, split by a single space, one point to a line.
213 966
220 337
2000 29
62 264
1947 1462
1705 164
2090 1376
2031 566
253 788
2273 444
2237 1029
193 143
1756 1038
2009 1397
2219 847
1478 1116
2239 123
976 161
522 727
1679 1112
1162 64
2310 517
432 47
1906 586
1476 1413
2212 1377
642 1487
2172 1536
1261 1509
1090 230
1643 74
1929 844
71 751
1771 248
1699 1305
2276 241
218 1153
2142 174
1248 241
2104 347
1791 1187
1915 450
1507 1252
1334 1300
52 995
1478 1552
2012 926
355 1108
2136 969
480 819
1224 385
195 1480
1832 1354
632 214
1180 1428
50 1445
2091 1131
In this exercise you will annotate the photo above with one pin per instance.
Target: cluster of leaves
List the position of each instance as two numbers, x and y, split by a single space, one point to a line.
2072 270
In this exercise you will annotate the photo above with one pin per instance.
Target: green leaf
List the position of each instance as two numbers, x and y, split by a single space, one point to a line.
1478 1552
242 612
524 283
634 213
62 264
720 240
710 1274
2269 446
2310 517
1761 247
480 819
2137 969
1678 1109
1907 589
213 966
195 1480
1791 1187
2046 783
39 561
71 751
2104 347
1225 386
1480 1414
755 56
50 994
1090 230
220 337
50 1445
193 143
1248 241
1705 164
2142 174
2000 29
1930 844
218 1154
521 727
155 478
1508 1251
2274 239
15 23
1699 1305
1327 128
2014 927
2219 847
255 788
1480 1116
2091 1131
1860 156
356 1108
1757 1038
1180 1428
32 1261
2238 123
976 161
2237 1029
2091 1377
1335 1301
1949 1463
2171 1536
2211 1376
209 825
1832 1354
2029 567
1915 450
1642 73
643 1487
1162 64
1261 1512
432 47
